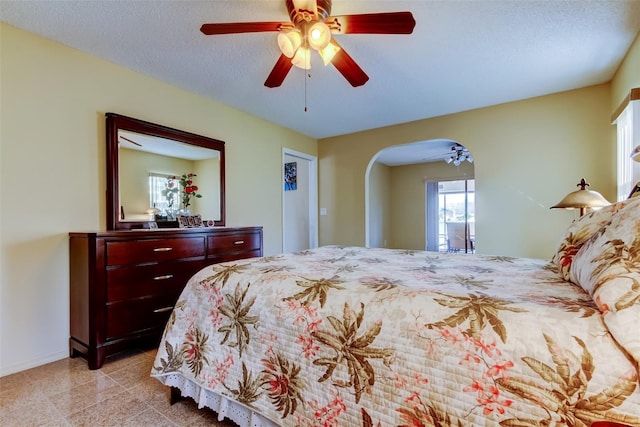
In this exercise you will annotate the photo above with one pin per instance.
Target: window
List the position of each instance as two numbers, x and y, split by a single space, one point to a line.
451 205
628 136
161 195
625 145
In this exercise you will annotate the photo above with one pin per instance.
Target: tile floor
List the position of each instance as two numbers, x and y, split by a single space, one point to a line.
121 393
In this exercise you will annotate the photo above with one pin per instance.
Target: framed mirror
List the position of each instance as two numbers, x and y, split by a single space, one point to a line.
156 173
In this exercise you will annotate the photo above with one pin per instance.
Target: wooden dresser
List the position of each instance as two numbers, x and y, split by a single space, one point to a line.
124 284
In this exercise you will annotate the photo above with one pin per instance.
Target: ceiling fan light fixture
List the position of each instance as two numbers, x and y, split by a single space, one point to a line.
329 52
458 155
289 42
302 58
318 35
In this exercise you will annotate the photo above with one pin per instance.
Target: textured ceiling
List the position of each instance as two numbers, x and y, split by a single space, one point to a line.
462 54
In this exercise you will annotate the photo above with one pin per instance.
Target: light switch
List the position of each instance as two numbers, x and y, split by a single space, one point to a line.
323 211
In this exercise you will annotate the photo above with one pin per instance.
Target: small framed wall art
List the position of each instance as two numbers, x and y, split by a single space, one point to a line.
290 176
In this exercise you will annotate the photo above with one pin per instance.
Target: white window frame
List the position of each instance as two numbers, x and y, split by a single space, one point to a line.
628 137
155 198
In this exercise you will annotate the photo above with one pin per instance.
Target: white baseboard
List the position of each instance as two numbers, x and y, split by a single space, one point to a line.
28 364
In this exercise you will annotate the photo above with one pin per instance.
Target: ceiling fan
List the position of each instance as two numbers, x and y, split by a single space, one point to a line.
456 155
311 28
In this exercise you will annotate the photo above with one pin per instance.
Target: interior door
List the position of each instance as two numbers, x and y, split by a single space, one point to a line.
299 201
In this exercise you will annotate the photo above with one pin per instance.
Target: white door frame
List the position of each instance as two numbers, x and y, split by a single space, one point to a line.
313 195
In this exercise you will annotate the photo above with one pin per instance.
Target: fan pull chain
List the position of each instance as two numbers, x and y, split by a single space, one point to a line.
307 75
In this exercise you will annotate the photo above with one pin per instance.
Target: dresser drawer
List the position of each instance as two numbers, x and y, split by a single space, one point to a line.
234 257
168 278
132 317
153 250
233 243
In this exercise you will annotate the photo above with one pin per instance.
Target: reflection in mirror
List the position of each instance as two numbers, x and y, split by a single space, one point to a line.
156 173
150 179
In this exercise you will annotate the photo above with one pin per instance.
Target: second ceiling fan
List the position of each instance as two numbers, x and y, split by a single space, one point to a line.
311 29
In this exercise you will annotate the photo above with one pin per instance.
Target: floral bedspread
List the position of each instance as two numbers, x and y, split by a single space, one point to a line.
348 336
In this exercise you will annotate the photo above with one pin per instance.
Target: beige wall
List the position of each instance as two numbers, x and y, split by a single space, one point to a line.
53 178
379 205
628 75
208 182
527 154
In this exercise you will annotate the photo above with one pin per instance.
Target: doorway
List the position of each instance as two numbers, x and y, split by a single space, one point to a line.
450 215
299 201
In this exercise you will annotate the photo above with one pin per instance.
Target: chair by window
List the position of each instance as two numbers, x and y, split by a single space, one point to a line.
459 237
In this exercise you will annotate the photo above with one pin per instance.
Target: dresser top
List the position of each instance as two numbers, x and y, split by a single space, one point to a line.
165 232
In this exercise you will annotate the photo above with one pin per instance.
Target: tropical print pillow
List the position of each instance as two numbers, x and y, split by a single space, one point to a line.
581 230
608 268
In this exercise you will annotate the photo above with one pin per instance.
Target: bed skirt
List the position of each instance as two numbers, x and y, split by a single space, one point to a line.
225 408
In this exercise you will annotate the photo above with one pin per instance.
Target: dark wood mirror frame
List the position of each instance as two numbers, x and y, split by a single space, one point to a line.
117 122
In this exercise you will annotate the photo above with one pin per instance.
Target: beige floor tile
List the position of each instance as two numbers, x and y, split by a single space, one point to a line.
153 392
150 417
114 410
120 360
66 381
132 375
121 393
150 354
19 391
85 395
32 410
185 412
54 368
9 382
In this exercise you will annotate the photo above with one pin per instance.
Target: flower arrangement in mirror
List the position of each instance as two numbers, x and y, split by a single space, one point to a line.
189 190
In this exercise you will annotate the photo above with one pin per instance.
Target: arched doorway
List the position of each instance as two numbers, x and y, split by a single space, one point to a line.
395 191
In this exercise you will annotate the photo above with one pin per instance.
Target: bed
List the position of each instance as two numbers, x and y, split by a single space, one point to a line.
350 336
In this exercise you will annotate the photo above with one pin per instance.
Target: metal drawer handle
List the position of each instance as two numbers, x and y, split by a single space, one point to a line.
162 249
163 309
165 277
238 242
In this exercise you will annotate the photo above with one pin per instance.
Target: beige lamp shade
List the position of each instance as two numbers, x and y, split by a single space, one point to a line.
289 42
319 35
582 199
302 58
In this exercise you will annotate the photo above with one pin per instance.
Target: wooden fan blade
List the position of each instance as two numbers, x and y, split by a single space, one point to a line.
373 23
348 67
279 72
241 27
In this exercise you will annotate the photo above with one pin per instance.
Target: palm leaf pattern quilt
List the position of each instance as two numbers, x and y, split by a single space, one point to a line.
348 336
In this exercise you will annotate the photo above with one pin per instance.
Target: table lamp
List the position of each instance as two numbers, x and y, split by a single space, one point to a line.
582 199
